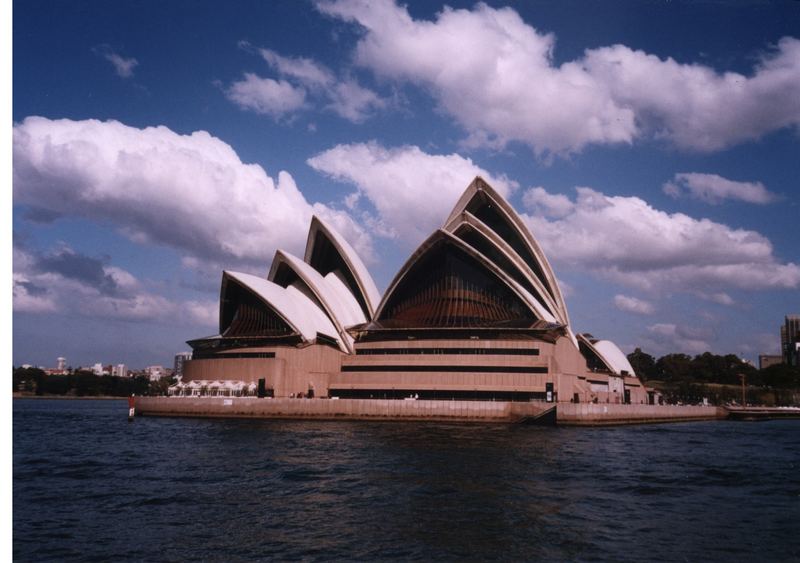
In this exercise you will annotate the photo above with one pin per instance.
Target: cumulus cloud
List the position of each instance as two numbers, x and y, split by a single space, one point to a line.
540 201
633 305
495 75
304 83
266 96
189 192
696 107
627 240
714 189
123 66
67 282
412 191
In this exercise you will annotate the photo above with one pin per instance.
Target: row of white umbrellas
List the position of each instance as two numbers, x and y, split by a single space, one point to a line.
197 387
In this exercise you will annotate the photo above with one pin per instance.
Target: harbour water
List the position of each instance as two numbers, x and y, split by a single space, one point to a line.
88 485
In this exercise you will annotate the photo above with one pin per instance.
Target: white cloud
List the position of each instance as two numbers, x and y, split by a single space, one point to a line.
633 305
306 83
714 189
190 192
495 75
306 71
411 190
629 241
266 96
29 297
540 201
123 66
353 102
696 107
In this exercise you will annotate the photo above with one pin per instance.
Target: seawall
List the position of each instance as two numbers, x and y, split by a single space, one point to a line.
591 414
455 411
340 409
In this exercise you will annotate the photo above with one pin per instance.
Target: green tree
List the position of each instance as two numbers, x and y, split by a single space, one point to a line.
674 368
643 364
28 379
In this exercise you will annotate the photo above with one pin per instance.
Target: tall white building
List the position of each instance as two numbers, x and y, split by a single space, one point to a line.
61 364
119 370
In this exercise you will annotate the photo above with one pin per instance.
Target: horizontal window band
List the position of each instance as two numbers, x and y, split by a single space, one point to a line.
449 369
235 355
448 351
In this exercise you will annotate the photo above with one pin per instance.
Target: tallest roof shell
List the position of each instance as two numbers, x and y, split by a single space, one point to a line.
482 201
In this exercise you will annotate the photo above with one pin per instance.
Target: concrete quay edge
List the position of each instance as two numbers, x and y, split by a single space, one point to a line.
567 414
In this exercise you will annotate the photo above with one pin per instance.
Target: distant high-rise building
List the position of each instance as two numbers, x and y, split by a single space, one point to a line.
180 357
790 340
119 370
767 360
97 369
61 364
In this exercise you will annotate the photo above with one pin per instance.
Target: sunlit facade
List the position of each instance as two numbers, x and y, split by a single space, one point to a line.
474 313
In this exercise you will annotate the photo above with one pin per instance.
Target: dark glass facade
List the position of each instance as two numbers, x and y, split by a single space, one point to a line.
485 210
244 314
446 287
486 247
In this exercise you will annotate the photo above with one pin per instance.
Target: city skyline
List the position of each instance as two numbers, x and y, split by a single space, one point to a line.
651 149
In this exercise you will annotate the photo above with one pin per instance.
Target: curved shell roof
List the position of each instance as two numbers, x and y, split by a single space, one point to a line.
366 291
613 356
339 304
294 307
480 190
609 353
502 248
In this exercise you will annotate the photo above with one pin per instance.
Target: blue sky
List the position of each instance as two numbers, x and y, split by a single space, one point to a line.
652 147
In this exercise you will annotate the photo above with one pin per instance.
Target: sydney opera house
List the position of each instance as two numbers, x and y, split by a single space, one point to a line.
475 313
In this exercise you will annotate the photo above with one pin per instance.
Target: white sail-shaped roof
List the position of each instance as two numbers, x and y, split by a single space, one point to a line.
360 281
293 306
507 219
614 357
338 303
608 353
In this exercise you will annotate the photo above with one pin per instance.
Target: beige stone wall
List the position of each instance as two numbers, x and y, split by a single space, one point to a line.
440 381
295 370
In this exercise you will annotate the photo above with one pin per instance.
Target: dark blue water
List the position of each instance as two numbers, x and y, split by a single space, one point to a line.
89 485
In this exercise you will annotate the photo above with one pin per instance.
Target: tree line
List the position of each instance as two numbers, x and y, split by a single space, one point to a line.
681 378
84 383
711 368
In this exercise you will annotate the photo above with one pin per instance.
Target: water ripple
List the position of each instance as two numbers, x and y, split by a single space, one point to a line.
89 486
